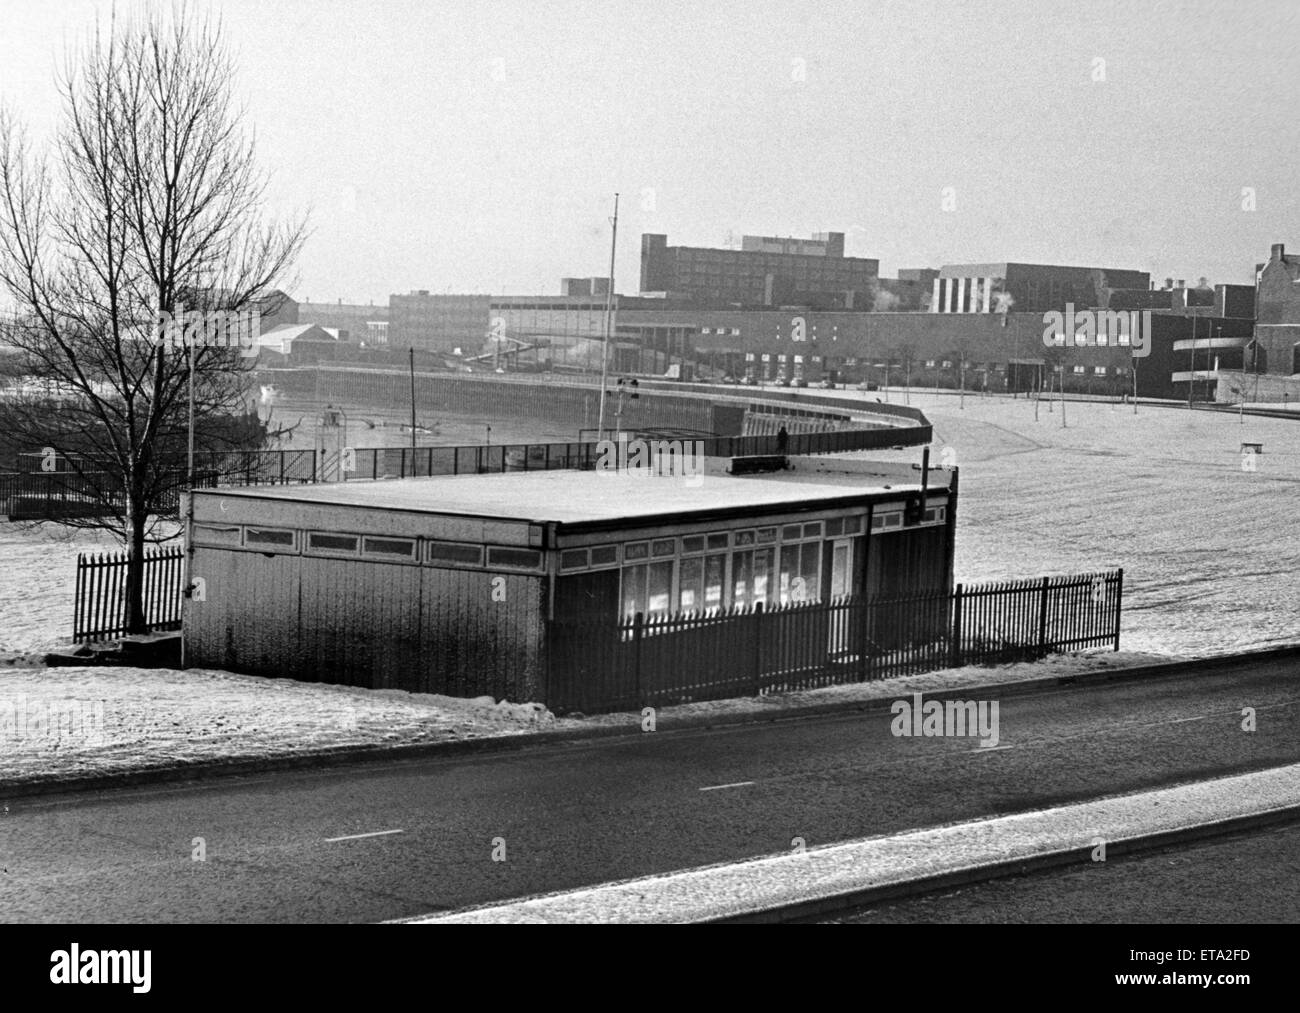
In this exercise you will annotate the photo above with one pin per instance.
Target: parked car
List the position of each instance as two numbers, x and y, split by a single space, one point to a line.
827 385
868 385
781 381
728 379
799 381
748 381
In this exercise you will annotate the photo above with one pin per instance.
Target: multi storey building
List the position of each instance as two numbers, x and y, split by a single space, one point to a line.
765 271
440 323
1028 288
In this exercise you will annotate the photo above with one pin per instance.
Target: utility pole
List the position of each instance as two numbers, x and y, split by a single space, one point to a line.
1062 394
1191 373
412 356
609 305
189 467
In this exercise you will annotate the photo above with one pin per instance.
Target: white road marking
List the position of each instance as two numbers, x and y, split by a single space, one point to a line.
990 749
357 837
734 784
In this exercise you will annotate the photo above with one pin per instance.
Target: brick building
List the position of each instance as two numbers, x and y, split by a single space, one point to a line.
1277 312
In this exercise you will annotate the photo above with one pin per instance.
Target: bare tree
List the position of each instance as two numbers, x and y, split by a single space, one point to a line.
147 201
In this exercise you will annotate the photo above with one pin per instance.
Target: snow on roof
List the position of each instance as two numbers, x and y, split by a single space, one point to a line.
581 496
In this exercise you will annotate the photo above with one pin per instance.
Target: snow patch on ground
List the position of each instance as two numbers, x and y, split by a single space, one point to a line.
83 722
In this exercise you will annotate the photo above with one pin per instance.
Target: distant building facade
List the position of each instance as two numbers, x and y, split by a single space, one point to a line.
1027 288
437 322
1277 312
765 271
366 323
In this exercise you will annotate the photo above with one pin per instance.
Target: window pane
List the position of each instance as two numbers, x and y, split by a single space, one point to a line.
454 552
714 568
638 550
692 584
263 536
332 543
693 543
603 555
742 569
573 559
529 559
665 547
209 534
810 570
389 547
660 592
763 563
633 590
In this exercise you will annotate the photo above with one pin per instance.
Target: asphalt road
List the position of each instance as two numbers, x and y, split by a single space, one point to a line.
288 847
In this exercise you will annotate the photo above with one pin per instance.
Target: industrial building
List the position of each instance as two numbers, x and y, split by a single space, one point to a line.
765 271
438 322
1029 288
457 585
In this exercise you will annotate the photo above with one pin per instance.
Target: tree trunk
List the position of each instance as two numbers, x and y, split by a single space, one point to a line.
136 523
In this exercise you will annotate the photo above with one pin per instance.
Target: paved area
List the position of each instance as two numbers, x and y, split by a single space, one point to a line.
392 840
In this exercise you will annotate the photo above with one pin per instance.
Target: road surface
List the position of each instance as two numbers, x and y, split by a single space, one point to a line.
387 840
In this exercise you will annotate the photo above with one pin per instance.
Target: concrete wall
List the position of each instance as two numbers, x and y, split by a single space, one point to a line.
1264 387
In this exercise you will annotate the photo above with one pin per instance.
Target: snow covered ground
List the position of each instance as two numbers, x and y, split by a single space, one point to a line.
81 722
38 578
1209 550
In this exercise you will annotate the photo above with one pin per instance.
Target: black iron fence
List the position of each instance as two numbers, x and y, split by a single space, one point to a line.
665 660
403 462
100 610
82 489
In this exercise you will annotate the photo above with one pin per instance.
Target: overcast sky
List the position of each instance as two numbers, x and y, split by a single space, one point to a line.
476 147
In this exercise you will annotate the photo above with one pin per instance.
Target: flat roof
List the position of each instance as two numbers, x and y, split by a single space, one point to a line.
575 497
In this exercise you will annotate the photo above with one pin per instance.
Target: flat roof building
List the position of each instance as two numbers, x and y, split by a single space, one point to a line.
765 271
459 585
1028 288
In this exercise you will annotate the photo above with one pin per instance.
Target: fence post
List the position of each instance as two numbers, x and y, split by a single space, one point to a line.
1042 621
638 629
1119 598
955 657
757 676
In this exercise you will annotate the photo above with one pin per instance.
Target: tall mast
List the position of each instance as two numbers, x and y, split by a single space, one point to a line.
609 305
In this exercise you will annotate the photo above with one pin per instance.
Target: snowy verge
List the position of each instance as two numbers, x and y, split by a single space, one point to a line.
87 722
